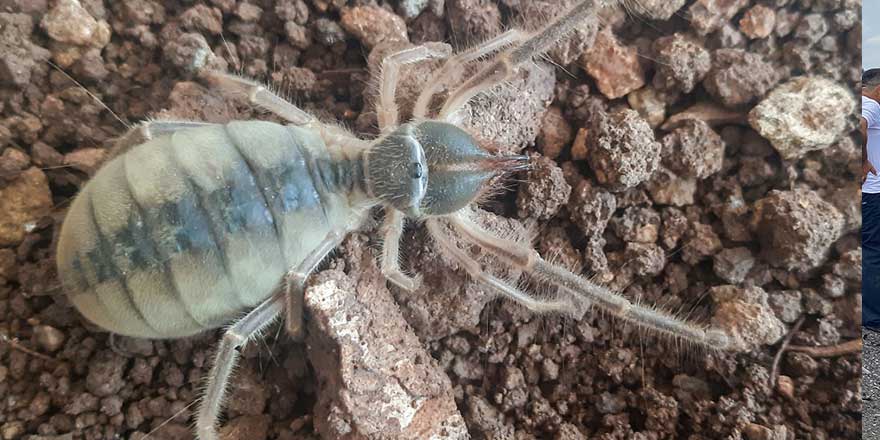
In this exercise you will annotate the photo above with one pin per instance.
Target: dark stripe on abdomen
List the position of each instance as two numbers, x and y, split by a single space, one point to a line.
124 308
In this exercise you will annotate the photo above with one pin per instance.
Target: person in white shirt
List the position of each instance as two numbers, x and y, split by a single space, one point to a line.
870 128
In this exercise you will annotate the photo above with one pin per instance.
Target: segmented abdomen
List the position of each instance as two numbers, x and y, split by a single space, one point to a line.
182 233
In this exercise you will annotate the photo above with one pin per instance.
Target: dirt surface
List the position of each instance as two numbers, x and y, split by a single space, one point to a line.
697 156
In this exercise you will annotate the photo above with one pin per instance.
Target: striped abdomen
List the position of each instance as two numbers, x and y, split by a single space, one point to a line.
182 233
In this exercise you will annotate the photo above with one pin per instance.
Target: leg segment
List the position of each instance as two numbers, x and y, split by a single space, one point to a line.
455 66
528 260
147 130
392 231
257 95
227 354
505 65
296 284
387 107
473 269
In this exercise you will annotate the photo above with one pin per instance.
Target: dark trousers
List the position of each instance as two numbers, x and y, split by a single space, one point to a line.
871 260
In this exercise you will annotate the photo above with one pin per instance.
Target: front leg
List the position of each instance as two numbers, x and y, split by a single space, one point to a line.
392 231
386 110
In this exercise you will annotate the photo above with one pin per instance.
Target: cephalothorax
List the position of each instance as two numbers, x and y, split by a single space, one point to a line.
199 221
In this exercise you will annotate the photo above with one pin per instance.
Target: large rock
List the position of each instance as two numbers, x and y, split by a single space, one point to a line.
804 114
375 379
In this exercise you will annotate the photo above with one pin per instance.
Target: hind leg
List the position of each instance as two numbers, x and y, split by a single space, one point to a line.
235 337
296 284
147 130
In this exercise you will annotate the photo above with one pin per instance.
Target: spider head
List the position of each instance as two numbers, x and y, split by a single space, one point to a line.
430 168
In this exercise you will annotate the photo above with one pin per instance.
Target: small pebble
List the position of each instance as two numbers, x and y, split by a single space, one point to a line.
373 25
68 22
616 68
48 337
785 386
12 430
23 201
758 22
86 160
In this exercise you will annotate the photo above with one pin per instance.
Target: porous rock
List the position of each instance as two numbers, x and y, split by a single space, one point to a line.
591 208
555 134
693 150
510 115
650 103
758 22
739 77
807 113
707 16
375 379
536 13
744 314
373 25
68 22
18 55
615 67
623 152
682 62
668 188
507 119
449 301
637 224
733 264
543 192
796 228
476 20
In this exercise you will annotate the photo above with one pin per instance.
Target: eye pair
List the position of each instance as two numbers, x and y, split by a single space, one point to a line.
416 170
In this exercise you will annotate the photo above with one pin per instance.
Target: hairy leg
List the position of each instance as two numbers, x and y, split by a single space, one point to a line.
530 261
455 65
505 64
147 130
473 268
236 336
392 232
259 96
296 284
387 112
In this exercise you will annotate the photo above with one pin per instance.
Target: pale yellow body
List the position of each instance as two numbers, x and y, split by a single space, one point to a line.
170 239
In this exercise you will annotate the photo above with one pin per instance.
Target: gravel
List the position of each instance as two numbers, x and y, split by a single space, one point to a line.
674 163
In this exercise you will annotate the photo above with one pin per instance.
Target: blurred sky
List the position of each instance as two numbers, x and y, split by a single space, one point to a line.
870 34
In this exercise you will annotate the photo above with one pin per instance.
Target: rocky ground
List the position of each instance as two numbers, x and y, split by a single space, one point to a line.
695 155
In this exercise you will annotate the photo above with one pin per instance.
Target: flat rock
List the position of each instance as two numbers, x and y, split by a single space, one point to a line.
375 378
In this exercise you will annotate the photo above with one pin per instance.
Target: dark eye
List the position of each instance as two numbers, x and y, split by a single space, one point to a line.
416 171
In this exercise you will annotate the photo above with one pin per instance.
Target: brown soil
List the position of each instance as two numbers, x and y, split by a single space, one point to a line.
648 175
